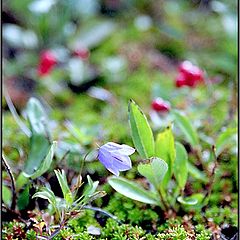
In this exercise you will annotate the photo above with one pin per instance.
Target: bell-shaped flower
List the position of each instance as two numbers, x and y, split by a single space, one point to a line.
115 157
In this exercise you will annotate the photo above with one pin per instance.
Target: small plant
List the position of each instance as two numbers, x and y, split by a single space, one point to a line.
71 205
164 159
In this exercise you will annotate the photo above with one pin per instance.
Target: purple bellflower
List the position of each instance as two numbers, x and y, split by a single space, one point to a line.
115 157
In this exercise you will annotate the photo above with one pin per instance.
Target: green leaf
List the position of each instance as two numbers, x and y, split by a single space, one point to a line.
196 173
165 149
185 125
47 194
187 200
39 144
181 165
23 198
141 132
90 189
37 117
39 148
132 190
21 181
6 195
226 139
45 165
154 171
62 179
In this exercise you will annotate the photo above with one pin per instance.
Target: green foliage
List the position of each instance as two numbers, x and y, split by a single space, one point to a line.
39 143
31 234
154 171
175 233
141 132
131 211
165 150
132 190
181 165
45 163
115 231
185 125
202 233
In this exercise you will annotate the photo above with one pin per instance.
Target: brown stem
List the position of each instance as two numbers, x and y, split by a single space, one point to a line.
13 187
15 213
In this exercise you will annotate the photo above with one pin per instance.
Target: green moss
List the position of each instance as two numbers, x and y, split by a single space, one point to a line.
115 231
175 233
132 211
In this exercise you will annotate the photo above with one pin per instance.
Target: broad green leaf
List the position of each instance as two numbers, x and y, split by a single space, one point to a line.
62 179
47 194
45 165
226 139
154 171
37 117
6 195
187 200
181 165
132 190
185 125
196 173
23 198
39 144
39 148
165 149
141 132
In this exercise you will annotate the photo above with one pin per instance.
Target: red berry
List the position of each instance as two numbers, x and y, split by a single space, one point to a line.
47 62
159 105
180 80
185 67
83 53
192 73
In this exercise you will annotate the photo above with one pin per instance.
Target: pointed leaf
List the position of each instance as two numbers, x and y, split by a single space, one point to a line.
181 165
185 125
165 149
37 116
226 139
141 132
45 165
132 190
154 171
62 180
47 194
39 144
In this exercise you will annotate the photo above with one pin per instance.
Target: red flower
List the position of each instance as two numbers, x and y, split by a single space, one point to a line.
180 80
47 63
159 105
189 75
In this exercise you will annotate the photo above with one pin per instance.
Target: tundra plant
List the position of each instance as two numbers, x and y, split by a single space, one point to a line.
165 164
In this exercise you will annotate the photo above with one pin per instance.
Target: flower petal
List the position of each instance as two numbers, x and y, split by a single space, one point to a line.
111 146
107 160
115 157
125 150
122 162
